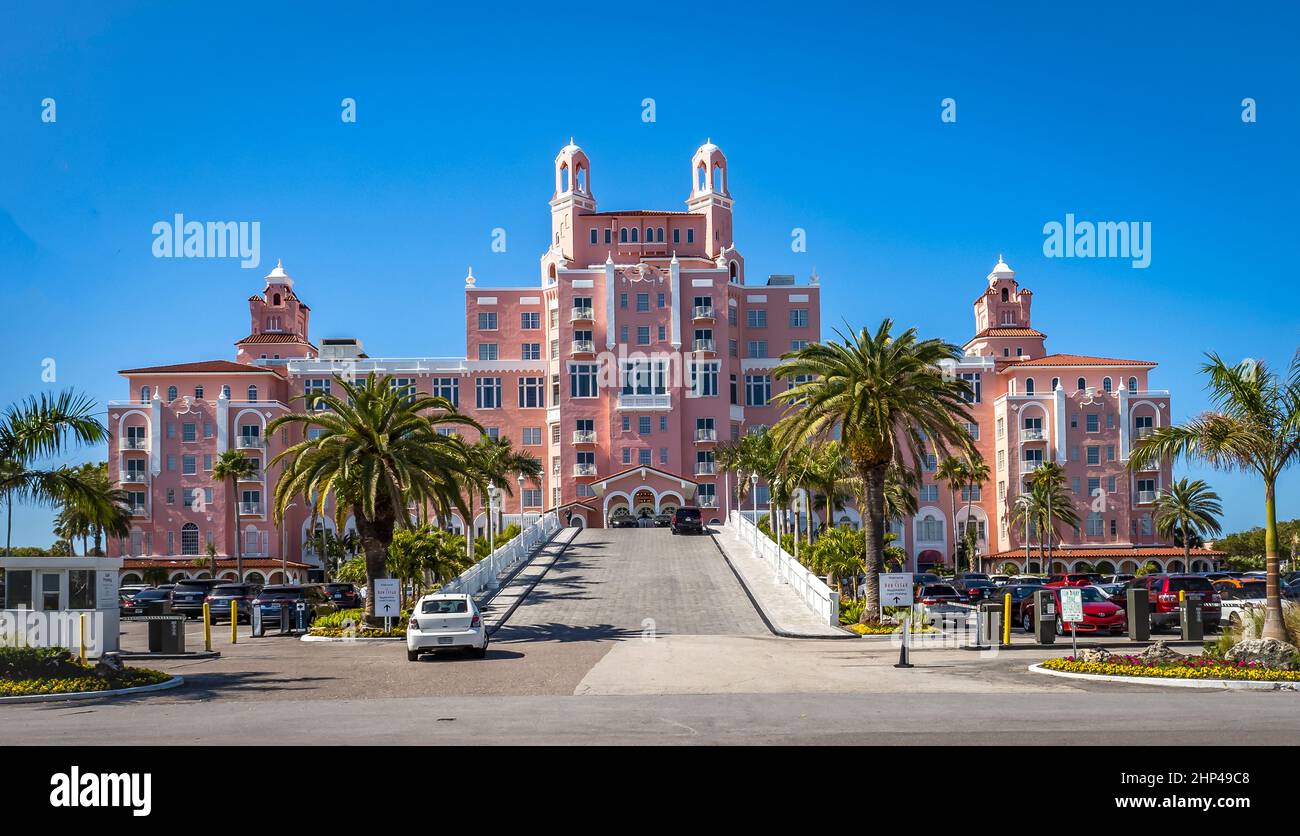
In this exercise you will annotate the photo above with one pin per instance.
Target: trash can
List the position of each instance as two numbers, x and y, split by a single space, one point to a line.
157 611
1191 621
990 622
1139 615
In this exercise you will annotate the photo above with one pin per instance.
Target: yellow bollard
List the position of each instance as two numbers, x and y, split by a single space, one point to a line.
83 638
207 626
1006 619
234 622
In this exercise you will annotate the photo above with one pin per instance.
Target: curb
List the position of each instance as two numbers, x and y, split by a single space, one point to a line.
309 638
762 613
492 629
145 657
174 682
1219 684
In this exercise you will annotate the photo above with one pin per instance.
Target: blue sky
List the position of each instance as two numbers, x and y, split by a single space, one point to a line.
829 116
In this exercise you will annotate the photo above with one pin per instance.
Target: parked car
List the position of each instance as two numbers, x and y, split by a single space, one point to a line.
1114 592
925 577
138 601
622 519
188 596
1236 597
687 520
313 599
1219 576
1000 580
1019 592
663 520
345 596
1035 580
974 589
1121 579
1074 579
445 622
938 593
220 598
1099 614
1162 594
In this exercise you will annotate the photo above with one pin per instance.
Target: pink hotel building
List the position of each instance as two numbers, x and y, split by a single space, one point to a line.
641 348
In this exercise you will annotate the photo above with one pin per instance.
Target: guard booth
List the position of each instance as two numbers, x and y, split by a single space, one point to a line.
46 598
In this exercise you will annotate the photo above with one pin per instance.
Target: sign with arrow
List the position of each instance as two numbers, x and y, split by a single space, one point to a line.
388 597
895 589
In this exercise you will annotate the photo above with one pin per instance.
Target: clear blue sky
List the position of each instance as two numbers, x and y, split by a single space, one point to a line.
829 116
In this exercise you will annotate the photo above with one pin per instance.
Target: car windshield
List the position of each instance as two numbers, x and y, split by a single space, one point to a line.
444 606
1190 585
227 590
938 589
280 594
339 587
1093 595
1244 592
191 587
688 515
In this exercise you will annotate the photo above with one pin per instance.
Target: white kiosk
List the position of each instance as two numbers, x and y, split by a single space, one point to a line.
45 597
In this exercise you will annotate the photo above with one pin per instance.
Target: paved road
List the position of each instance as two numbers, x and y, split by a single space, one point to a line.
629 583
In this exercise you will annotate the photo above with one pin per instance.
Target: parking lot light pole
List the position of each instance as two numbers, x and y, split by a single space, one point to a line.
521 502
492 495
753 495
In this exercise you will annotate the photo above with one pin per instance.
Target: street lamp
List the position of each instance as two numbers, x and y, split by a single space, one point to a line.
492 496
799 495
753 495
521 501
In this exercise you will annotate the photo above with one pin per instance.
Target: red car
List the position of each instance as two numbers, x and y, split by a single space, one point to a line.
1099 614
1074 579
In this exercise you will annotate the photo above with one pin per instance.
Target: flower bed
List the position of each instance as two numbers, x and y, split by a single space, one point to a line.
26 672
886 629
357 632
1192 667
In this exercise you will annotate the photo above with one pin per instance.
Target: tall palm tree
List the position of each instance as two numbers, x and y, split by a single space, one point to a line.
1188 507
1255 426
494 461
37 428
377 452
827 474
753 452
882 393
231 466
952 472
1055 504
977 473
107 512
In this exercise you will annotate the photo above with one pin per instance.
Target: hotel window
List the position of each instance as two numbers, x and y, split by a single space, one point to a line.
734 393
1074 485
314 388
1110 452
171 496
447 387
1110 420
643 377
171 393
690 236
1094 485
609 234
1029 386
487 392
531 351
798 317
660 301
643 335
677 236
757 348
973 380
929 462
635 233
663 455
1132 384
171 462
583 303
532 393
1094 454
971 493
532 497
627 423
622 301
627 455
756 318
642 302
1074 421
582 380
189 539
731 316
973 430
145 394
1002 427
1092 422
583 489
663 423
252 393
530 320
404 386
189 465
643 425
171 430
1056 382
207 429
1082 384
1002 460
622 334
704 379
1074 454
798 345
555 432
207 462
1095 525
643 457
493 433
553 318
758 389
487 321
1105 384
663 333
533 436
733 348
929 529
555 390
594 234
555 348
198 393
188 432
487 351
928 493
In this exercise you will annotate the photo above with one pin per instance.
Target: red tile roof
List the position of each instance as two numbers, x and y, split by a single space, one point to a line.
273 338
1003 331
1080 360
223 563
1121 552
203 367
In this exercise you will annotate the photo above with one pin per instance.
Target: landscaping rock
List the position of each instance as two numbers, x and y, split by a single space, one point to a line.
1160 652
1270 653
1094 654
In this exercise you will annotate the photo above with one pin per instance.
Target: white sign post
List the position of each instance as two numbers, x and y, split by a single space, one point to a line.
388 599
1072 611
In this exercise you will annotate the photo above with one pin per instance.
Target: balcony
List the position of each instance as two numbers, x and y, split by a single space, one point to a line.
584 470
584 436
705 435
707 501
248 442
256 476
1030 465
1146 497
1140 433
584 347
250 509
704 346
139 511
130 443
703 312
706 468
664 401
134 477
1032 434
582 315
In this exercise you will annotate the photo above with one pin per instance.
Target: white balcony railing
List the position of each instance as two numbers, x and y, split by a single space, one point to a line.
664 401
1142 432
135 477
704 345
702 312
250 509
256 476
1031 434
584 436
487 572
706 501
706 468
248 442
139 511
584 347
1146 497
706 435
814 594
584 470
582 315
1030 465
130 443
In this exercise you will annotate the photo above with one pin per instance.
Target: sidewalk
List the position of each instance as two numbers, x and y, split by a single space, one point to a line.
782 609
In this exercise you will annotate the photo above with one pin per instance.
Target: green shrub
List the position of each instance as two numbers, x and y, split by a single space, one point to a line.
26 671
851 610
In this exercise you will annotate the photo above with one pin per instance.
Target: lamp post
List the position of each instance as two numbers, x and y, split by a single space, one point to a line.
492 496
799 496
520 479
753 495
284 543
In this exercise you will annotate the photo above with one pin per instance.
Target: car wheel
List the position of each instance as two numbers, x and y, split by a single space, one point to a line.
1060 626
481 652
412 655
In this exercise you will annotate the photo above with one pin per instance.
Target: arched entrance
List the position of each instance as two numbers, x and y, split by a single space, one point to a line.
643 503
927 559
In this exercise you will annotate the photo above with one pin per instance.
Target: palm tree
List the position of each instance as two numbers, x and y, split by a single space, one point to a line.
494 461
377 452
37 428
1188 508
882 393
1255 426
753 452
107 512
1054 503
231 466
977 473
952 472
826 474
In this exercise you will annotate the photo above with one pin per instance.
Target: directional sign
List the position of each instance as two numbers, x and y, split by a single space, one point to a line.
388 597
895 589
1072 605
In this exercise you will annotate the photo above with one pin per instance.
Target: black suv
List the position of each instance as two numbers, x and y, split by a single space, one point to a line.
344 595
688 519
223 595
309 597
188 596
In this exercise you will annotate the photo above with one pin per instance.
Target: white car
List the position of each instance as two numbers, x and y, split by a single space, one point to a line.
1235 601
446 622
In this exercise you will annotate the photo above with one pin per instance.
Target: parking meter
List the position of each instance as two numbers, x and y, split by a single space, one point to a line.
1139 614
1190 618
1045 622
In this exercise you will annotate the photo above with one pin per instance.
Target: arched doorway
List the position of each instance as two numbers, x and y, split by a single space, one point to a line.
928 559
643 503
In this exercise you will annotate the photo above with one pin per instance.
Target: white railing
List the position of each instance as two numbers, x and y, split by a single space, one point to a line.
584 470
704 345
484 574
248 442
664 401
1030 465
1142 432
706 468
1146 497
584 436
133 443
250 509
133 476
706 435
706 501
584 347
703 312
581 314
1031 434
817 597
